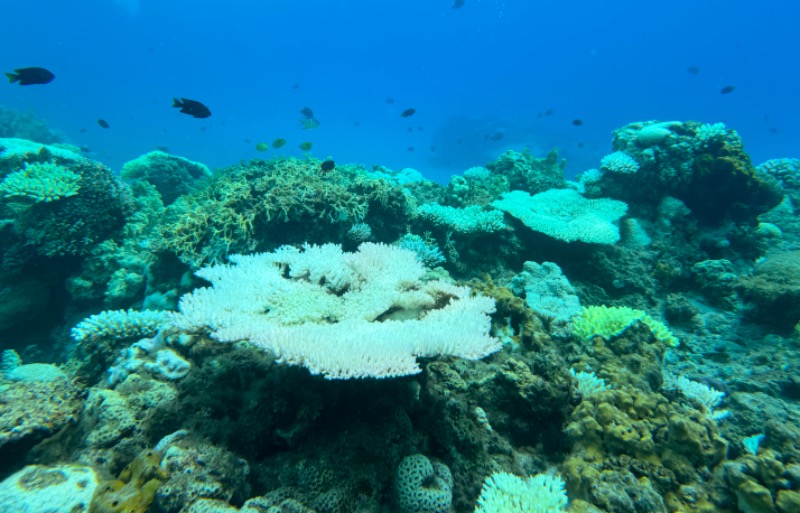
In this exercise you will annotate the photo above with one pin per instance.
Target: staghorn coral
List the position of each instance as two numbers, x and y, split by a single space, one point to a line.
243 208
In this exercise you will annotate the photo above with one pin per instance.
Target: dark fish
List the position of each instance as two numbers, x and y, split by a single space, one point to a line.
191 107
30 76
774 131
389 101
162 148
306 146
458 4
693 70
306 112
727 89
420 129
309 124
581 145
410 129
549 112
577 122
408 113
497 136
356 123
327 166
279 143
83 130
103 123
295 87
433 148
410 148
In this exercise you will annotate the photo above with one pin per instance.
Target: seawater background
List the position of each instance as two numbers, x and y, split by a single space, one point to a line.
488 67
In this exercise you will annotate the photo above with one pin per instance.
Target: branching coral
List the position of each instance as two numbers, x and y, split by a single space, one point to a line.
343 315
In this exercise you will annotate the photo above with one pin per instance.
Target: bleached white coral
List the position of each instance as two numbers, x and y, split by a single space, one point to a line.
471 219
343 315
503 492
707 397
566 215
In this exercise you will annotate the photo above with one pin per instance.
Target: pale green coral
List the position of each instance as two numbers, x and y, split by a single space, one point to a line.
41 182
608 322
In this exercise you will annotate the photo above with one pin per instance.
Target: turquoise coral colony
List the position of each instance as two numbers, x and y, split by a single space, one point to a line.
275 337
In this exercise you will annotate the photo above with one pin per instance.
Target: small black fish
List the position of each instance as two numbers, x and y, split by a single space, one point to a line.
433 148
693 70
30 76
549 112
577 122
356 123
82 130
411 129
389 101
327 166
408 113
497 136
581 145
458 4
295 87
727 89
410 148
307 113
103 123
191 107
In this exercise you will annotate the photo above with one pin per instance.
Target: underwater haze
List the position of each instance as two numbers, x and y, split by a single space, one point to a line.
483 77
418 256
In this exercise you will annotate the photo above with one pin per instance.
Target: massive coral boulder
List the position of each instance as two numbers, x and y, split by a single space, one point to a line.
774 289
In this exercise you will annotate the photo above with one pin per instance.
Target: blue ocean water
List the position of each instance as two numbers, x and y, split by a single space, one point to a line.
481 77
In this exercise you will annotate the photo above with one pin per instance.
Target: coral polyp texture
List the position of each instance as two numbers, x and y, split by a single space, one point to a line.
342 315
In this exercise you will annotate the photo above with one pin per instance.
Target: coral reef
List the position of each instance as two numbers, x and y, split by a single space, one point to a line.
234 390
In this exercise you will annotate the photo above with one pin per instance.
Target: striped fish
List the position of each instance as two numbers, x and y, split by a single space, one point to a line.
309 124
